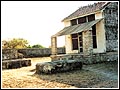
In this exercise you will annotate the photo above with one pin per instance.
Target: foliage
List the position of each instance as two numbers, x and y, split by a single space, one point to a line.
37 46
15 43
29 46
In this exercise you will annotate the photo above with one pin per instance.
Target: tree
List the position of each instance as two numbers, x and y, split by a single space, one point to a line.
29 46
15 43
37 46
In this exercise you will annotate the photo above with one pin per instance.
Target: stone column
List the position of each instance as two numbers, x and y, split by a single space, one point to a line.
87 42
54 45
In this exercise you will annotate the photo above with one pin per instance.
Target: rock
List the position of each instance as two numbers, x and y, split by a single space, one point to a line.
58 66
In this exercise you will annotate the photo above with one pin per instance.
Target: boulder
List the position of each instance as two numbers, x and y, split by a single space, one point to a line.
58 66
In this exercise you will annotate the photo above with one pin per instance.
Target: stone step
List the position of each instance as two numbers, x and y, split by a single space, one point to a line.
16 63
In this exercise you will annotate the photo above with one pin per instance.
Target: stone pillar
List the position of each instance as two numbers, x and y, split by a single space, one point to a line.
87 42
54 45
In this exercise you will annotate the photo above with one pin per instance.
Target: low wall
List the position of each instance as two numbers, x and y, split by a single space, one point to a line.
16 63
88 59
8 54
39 52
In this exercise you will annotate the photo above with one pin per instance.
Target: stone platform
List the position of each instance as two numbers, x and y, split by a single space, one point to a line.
88 59
16 63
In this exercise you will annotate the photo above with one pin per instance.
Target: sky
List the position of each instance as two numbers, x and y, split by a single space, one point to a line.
36 21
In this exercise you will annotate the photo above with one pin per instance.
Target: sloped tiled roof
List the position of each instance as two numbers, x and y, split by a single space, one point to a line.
86 10
77 28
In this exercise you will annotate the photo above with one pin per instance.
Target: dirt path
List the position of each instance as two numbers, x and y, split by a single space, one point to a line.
91 76
25 78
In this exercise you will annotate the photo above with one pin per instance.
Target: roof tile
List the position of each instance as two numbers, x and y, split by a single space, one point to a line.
86 10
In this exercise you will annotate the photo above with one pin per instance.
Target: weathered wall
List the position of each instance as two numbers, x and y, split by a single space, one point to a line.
39 52
89 59
98 15
111 26
17 53
67 23
100 36
9 54
87 42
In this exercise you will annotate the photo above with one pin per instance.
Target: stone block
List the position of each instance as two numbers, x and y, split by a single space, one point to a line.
58 66
16 63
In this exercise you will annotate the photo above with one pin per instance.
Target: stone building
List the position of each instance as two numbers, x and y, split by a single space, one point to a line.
91 29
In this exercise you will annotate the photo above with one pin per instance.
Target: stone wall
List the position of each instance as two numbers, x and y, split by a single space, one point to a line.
39 52
8 54
112 45
111 26
87 42
17 63
89 59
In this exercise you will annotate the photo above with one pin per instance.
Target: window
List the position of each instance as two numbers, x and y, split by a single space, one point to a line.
91 17
81 20
74 22
94 36
74 41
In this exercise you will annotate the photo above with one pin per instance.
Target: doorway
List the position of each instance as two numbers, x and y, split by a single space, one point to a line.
80 42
